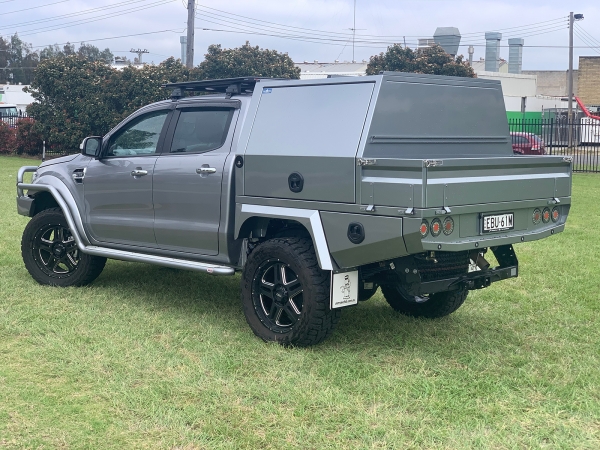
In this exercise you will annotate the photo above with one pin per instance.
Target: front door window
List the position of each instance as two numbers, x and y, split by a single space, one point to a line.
140 137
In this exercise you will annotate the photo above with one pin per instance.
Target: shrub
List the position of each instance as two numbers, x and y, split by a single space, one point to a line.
28 139
7 139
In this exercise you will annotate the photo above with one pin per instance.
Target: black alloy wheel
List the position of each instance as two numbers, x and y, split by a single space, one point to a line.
51 255
285 295
55 251
277 295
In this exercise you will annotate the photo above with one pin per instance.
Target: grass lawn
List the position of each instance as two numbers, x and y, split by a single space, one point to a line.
149 357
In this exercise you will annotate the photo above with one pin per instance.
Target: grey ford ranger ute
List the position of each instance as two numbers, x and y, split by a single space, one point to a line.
319 192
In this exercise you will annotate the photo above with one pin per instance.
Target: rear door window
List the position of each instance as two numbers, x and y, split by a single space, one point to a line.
201 130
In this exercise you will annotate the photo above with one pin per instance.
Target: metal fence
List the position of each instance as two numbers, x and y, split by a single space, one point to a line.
13 119
579 138
44 148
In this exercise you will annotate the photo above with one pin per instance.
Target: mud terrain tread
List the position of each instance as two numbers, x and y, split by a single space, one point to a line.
317 321
439 305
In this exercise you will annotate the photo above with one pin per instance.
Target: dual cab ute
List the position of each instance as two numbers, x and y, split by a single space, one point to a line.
319 192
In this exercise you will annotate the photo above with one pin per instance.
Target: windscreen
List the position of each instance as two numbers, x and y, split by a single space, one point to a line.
8 111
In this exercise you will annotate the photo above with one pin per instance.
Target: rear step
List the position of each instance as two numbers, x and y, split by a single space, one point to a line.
159 260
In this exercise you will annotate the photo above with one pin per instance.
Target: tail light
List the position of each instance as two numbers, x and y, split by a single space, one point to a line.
424 228
546 215
537 216
435 227
448 225
555 214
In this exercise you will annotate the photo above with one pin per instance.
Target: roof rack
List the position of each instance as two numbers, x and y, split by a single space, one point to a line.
229 86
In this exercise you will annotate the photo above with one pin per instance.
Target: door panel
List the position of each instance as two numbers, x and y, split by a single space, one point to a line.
188 179
119 205
118 187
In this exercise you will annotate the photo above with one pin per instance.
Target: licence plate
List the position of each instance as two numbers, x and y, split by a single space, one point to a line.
497 222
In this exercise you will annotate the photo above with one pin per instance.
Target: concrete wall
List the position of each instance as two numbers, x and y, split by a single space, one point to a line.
513 84
589 80
553 82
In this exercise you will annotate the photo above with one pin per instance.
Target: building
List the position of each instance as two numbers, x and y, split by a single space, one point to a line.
13 93
553 82
315 69
588 75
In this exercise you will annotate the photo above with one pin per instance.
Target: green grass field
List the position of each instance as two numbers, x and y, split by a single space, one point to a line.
149 357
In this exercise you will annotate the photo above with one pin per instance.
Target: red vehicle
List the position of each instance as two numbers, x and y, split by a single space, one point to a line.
527 144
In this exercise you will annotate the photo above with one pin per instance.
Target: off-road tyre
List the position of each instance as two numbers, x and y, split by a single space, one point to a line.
366 294
51 255
295 310
433 306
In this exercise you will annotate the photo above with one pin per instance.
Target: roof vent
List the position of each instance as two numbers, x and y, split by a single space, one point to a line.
515 55
448 38
492 51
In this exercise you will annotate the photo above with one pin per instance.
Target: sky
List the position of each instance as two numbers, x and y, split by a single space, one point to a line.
307 30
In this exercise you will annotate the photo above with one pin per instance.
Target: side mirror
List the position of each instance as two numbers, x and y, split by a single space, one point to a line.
91 146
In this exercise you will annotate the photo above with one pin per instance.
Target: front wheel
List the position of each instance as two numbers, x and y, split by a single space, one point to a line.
51 255
285 295
430 306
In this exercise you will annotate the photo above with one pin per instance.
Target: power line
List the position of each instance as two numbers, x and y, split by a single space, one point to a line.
592 38
289 32
242 25
64 16
108 38
585 40
90 20
384 44
34 7
278 25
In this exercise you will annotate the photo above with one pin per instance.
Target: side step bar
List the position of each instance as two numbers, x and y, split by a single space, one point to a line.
112 253
159 260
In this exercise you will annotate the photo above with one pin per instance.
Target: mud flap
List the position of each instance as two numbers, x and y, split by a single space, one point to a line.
344 289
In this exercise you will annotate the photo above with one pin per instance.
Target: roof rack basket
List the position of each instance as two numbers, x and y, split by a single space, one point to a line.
229 86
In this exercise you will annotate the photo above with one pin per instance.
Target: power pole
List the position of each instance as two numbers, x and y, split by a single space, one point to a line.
191 7
353 31
570 81
139 53
572 18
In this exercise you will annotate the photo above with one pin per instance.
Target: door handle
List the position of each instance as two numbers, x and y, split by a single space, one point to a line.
205 170
139 172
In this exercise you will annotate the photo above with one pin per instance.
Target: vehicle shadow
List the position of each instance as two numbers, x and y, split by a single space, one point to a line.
371 324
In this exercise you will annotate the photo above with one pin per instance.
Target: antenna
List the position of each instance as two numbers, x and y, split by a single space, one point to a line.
139 53
354 31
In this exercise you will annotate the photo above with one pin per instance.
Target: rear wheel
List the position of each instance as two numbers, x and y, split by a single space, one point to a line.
51 255
285 295
364 293
431 306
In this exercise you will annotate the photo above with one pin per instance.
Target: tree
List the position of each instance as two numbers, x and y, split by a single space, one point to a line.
76 97
430 60
246 61
17 60
71 100
93 53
